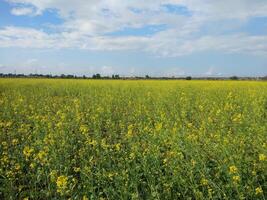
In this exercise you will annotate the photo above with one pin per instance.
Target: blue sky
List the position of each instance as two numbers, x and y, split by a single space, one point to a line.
159 38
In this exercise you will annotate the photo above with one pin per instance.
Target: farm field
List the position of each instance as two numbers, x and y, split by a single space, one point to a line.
122 139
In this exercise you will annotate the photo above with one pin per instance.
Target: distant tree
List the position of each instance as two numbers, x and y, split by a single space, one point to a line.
70 76
115 76
96 76
147 77
234 78
188 78
20 75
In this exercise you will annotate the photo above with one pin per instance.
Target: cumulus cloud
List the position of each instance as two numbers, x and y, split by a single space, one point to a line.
87 24
158 44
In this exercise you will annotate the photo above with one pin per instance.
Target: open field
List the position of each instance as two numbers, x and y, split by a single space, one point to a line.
89 139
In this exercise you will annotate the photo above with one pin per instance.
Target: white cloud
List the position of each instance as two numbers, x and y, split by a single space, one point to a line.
31 61
164 44
22 11
107 70
30 65
2 67
132 71
87 22
91 9
176 71
210 72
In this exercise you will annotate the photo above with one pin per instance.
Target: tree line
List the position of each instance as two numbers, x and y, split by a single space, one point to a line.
117 76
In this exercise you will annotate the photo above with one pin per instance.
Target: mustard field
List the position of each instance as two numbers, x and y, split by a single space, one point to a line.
128 139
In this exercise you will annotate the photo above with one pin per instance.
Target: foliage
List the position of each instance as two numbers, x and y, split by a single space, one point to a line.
234 78
188 78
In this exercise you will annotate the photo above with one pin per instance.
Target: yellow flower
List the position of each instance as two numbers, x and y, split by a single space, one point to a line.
165 160
210 193
132 155
258 190
236 179
76 169
17 166
118 147
84 129
158 126
193 162
204 181
232 169
42 156
15 141
92 142
32 165
85 198
62 182
237 118
110 175
262 157
27 151
4 143
53 175
189 125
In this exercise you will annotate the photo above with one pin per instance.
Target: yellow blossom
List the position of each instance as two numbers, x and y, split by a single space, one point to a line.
193 162
236 179
204 181
32 165
53 175
62 182
42 156
262 157
92 142
76 169
158 126
84 129
118 147
17 166
27 151
85 198
233 169
258 190
15 141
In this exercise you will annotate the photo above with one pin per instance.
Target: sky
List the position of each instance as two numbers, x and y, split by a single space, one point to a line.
134 37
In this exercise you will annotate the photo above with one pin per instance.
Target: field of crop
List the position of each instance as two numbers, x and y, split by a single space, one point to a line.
90 139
